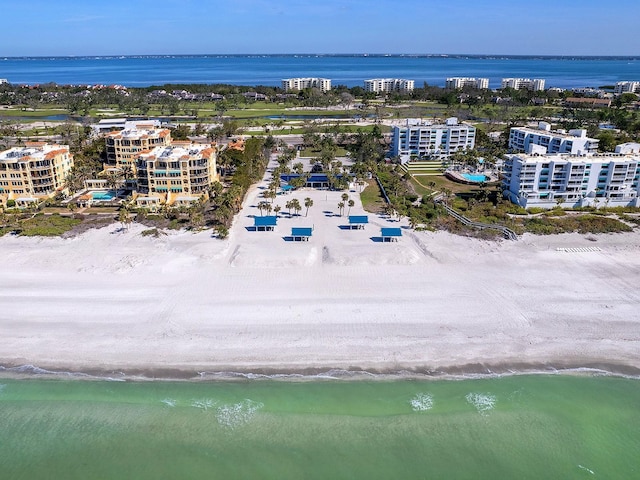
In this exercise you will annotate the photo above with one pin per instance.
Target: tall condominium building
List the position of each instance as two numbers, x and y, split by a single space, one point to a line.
420 139
627 87
456 83
572 181
323 84
35 171
535 85
180 169
387 85
543 140
124 146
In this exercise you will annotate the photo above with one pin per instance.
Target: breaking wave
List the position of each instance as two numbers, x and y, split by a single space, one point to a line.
236 414
483 402
422 402
204 403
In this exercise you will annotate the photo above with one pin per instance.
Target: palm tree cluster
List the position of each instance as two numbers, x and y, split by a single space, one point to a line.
293 204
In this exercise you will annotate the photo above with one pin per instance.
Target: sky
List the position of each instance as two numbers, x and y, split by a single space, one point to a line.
148 27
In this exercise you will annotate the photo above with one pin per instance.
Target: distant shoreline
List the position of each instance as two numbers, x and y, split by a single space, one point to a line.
337 55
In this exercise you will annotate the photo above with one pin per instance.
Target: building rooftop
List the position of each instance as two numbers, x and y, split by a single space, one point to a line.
584 158
33 151
179 151
419 122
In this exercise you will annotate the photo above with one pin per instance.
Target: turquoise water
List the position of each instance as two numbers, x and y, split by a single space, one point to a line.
474 178
524 427
105 196
350 70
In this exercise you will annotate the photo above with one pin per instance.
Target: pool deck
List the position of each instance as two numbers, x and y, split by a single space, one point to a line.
459 177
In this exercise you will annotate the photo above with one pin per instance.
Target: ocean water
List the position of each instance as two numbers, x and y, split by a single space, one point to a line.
350 70
524 427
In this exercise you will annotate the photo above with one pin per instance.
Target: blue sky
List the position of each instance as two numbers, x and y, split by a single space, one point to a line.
130 27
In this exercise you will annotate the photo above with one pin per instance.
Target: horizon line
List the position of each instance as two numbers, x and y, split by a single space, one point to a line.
364 54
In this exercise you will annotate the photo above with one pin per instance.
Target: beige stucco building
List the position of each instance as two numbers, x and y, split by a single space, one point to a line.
33 172
176 174
123 147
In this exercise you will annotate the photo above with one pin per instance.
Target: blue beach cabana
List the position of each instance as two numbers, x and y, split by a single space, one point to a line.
358 221
390 234
301 234
263 224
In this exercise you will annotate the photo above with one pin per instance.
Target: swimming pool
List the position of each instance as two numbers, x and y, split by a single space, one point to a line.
103 195
474 178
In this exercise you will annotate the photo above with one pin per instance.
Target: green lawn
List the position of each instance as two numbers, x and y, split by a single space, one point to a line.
310 152
422 188
371 197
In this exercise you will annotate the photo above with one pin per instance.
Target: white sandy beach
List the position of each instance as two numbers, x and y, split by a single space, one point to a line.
110 301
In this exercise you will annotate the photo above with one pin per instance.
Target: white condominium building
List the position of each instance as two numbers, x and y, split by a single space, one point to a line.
627 87
542 140
419 139
323 84
572 181
34 171
535 85
457 83
386 85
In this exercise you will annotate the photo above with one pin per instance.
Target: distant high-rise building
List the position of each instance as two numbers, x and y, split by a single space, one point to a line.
626 87
387 85
456 83
323 84
535 85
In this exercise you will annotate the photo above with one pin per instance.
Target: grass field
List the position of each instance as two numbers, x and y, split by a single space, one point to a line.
371 197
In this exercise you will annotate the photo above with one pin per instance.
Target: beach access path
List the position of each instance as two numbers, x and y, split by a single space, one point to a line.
109 301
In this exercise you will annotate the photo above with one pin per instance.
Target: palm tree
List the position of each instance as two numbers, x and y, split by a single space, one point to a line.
114 179
289 206
344 197
296 206
351 204
124 218
298 168
341 207
276 209
307 203
264 206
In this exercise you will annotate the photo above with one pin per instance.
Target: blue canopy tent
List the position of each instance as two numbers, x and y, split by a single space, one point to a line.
358 221
301 234
264 224
390 234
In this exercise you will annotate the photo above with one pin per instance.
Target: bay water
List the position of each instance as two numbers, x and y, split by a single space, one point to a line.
350 70
523 426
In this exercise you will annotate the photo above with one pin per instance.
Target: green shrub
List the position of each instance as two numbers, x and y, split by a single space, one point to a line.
555 212
535 210
152 232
